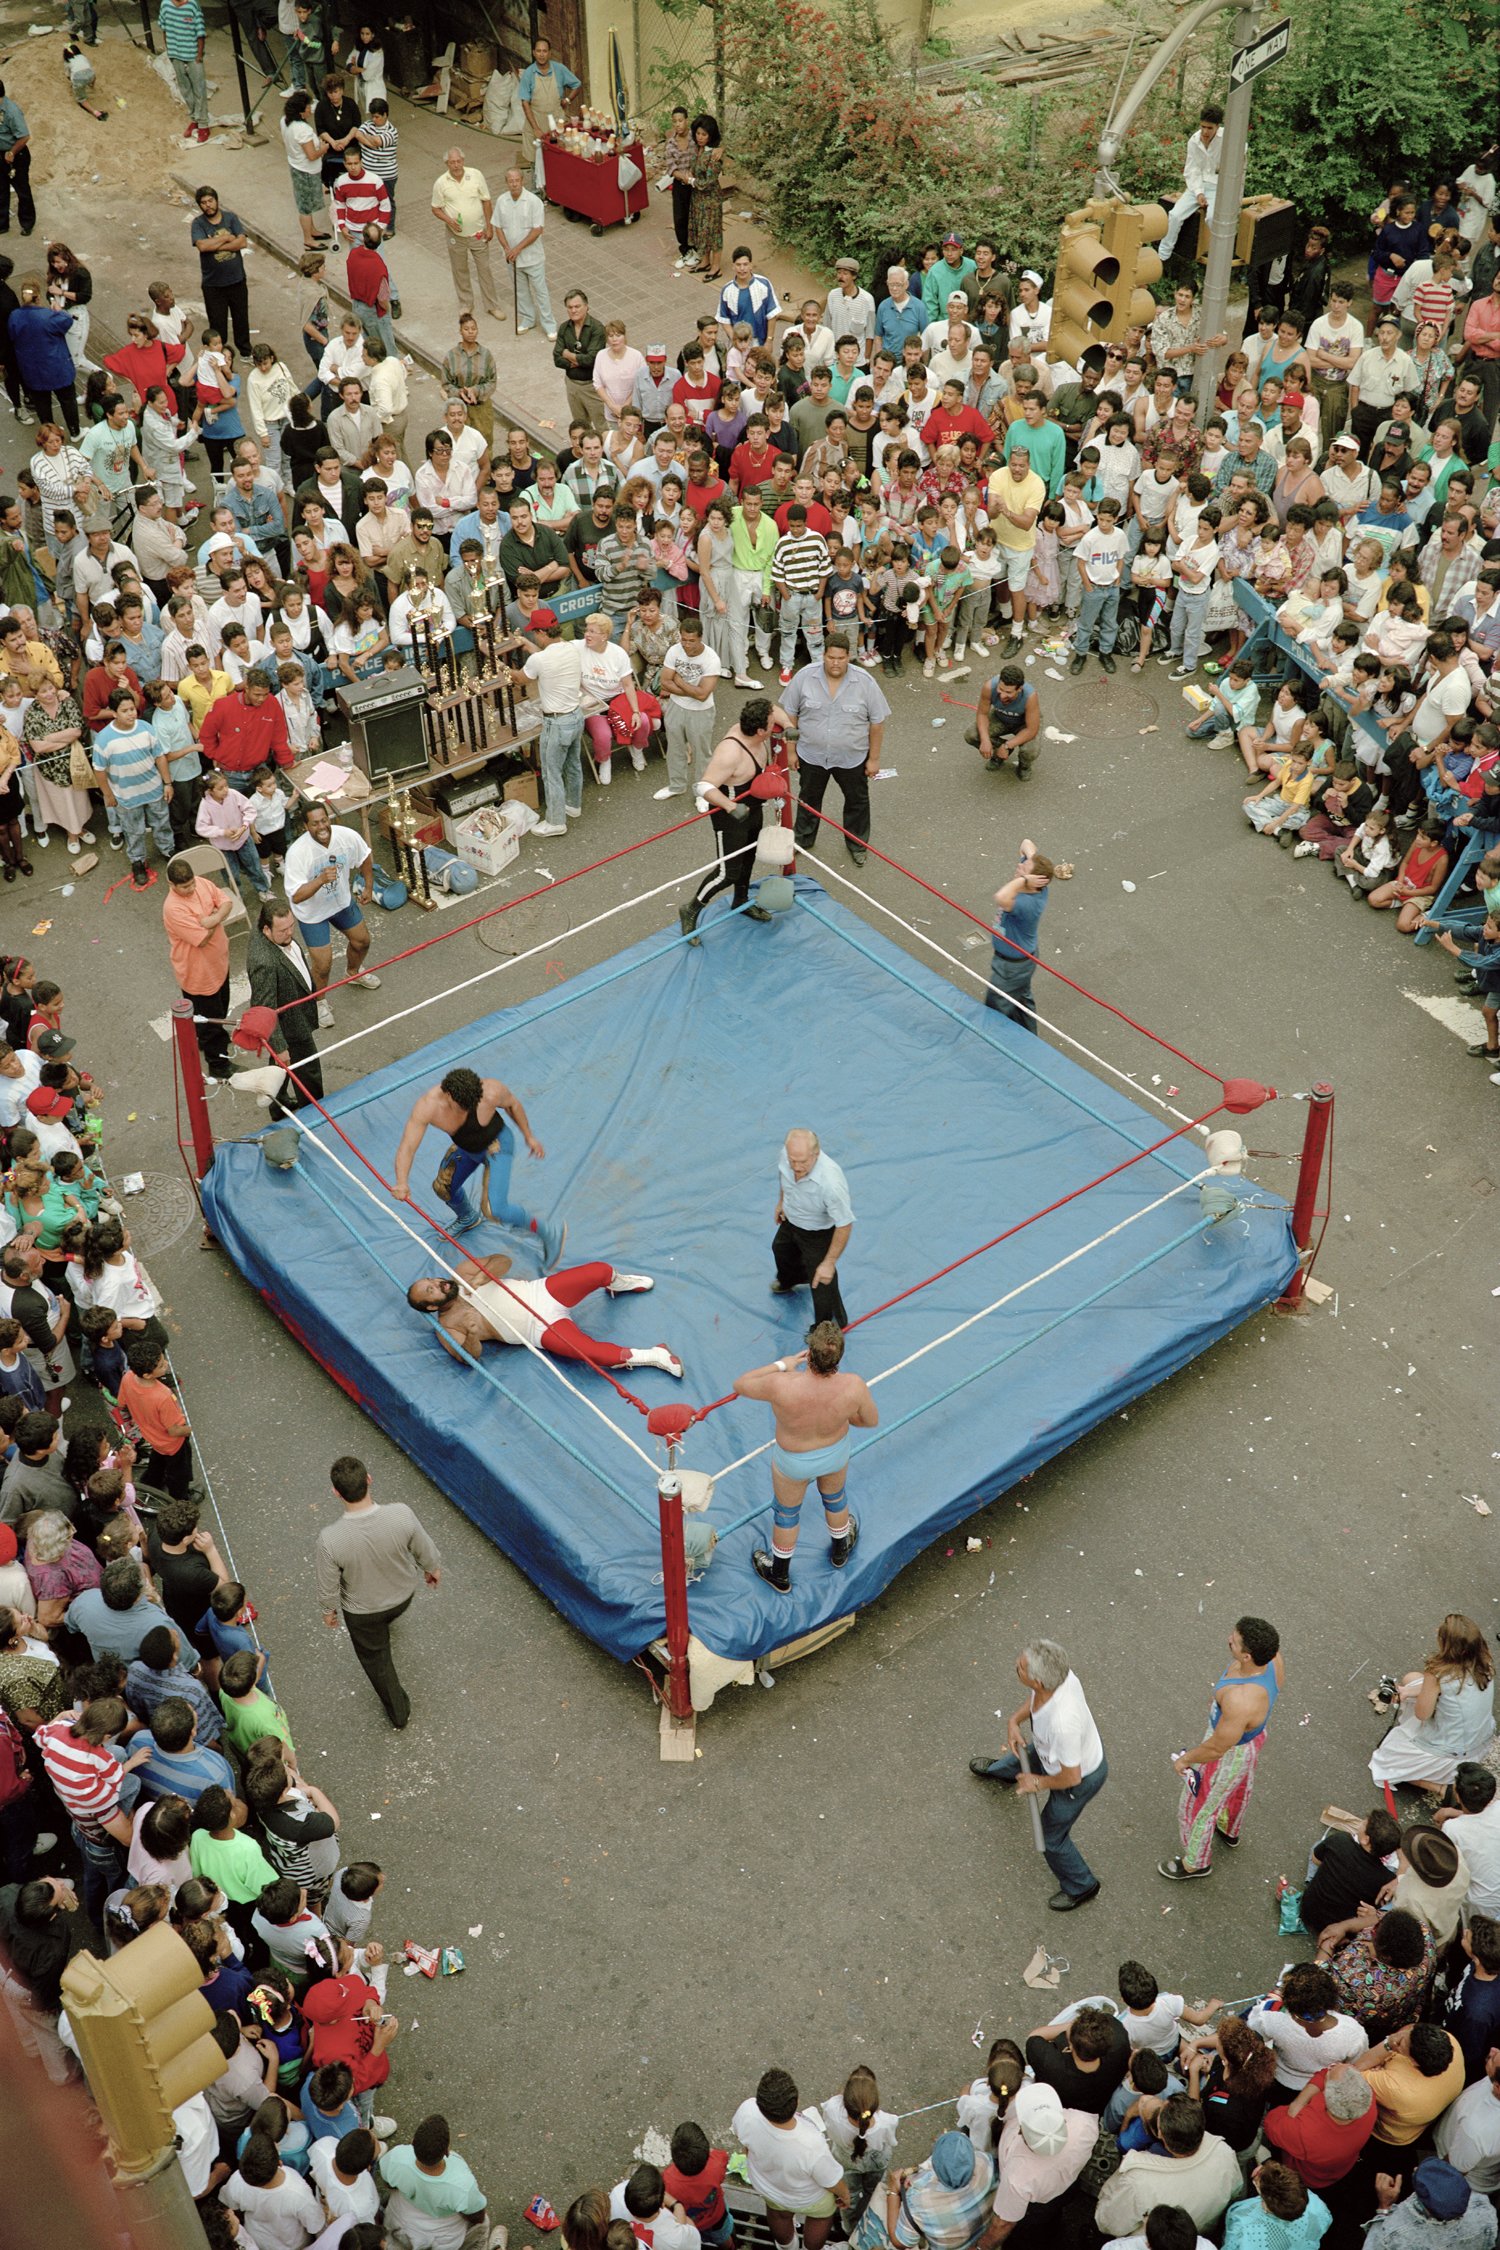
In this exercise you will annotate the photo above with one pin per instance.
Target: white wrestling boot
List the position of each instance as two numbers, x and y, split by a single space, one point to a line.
657 1356
628 1284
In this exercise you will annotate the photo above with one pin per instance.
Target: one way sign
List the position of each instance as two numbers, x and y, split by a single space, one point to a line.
1261 53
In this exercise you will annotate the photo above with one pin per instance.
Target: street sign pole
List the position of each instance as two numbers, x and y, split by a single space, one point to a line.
1226 218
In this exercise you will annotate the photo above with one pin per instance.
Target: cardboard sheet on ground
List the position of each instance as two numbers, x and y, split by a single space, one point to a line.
662 1083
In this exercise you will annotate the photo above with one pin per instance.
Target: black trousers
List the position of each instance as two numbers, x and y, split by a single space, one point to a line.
854 788
1403 786
183 811
736 842
210 1009
228 307
370 1631
172 1472
302 1053
798 1252
682 196
17 175
40 403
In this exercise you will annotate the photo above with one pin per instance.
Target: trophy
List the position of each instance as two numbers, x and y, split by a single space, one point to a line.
411 859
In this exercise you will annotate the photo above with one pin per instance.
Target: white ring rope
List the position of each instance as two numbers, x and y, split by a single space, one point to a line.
640 898
1009 1298
428 1251
1036 1016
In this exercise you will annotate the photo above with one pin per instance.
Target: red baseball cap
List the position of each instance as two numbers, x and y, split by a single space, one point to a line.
543 621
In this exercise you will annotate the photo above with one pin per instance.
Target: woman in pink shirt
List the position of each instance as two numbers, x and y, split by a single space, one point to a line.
224 821
616 369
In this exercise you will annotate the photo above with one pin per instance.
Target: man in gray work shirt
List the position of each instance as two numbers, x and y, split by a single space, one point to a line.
369 1565
838 716
814 1219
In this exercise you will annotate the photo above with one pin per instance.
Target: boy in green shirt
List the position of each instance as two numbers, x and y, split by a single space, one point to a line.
249 1713
950 582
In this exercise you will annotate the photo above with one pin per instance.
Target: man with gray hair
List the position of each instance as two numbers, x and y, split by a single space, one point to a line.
1063 1763
814 1218
1321 2130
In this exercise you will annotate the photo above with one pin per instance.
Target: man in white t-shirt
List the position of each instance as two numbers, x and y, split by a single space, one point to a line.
321 872
557 668
1334 342
689 672
789 2162
1475 1829
1066 1764
1446 697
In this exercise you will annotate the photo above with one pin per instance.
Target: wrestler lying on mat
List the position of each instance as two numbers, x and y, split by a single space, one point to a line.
490 1309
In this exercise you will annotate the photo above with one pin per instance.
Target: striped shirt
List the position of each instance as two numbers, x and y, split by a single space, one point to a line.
801 563
1433 300
381 160
621 574
357 202
87 1780
128 761
181 28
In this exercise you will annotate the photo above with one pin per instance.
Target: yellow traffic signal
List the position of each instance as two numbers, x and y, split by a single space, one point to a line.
1129 231
143 2029
1080 298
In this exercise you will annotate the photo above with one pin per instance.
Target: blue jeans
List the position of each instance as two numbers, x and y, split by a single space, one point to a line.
562 763
103 1867
1060 1808
1010 981
378 324
1100 608
133 824
1187 628
502 1210
806 611
246 858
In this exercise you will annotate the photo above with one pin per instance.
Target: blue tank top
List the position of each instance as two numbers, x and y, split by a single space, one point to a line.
1267 1678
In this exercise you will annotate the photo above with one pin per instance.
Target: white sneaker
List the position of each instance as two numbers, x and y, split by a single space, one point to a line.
41 839
657 1355
637 758
959 652
1221 741
928 667
384 2126
1303 851
550 828
745 679
369 981
46 1842
89 837
325 1016
629 1284
574 812
660 796
605 772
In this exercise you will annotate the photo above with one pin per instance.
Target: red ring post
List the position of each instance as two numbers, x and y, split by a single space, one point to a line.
674 1587
1309 1175
190 1063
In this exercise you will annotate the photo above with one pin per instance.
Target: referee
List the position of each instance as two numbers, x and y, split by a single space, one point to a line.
814 1219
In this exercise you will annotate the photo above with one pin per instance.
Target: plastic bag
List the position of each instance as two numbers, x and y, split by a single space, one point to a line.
502 105
628 174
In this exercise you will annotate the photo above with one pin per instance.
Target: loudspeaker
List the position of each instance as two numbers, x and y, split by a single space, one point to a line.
387 731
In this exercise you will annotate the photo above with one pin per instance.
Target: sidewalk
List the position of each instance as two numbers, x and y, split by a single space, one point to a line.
627 273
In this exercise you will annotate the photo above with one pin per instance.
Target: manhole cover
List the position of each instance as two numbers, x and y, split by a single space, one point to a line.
165 1208
498 936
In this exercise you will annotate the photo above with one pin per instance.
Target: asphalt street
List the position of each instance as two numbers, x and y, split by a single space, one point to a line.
825 1885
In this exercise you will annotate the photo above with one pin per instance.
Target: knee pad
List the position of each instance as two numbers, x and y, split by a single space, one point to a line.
785 1518
834 1501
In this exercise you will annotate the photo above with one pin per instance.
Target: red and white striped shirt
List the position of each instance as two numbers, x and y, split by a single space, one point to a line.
357 202
1433 300
87 1780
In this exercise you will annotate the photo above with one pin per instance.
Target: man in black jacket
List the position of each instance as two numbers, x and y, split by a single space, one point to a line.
279 972
580 340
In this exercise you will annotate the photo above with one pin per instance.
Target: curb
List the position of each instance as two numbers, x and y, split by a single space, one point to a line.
506 418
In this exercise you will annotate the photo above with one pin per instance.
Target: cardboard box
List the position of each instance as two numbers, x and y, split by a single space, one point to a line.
524 787
490 855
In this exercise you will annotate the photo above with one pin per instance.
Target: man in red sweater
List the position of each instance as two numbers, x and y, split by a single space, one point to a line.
246 730
368 280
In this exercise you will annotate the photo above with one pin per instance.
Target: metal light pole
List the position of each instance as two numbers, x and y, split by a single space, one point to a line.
1226 219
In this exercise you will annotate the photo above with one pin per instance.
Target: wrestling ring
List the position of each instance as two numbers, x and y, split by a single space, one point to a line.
1076 1238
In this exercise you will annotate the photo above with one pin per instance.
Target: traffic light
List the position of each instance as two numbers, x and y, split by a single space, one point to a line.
1266 229
1086 273
1129 231
143 2029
